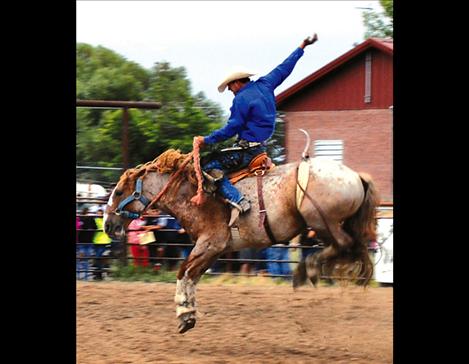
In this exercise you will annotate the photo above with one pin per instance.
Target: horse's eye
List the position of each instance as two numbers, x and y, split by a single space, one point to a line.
118 193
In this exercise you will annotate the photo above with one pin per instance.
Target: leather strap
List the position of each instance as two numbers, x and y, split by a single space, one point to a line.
316 205
263 221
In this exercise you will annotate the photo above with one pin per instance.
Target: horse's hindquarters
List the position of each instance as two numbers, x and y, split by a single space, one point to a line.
337 192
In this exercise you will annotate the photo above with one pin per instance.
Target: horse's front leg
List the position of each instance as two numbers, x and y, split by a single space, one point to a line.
201 258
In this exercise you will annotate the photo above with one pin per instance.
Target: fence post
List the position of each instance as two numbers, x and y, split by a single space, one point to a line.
124 259
125 137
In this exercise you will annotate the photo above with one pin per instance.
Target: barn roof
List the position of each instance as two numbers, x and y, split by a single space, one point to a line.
383 44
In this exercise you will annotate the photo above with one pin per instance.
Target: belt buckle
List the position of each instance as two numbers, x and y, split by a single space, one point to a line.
243 143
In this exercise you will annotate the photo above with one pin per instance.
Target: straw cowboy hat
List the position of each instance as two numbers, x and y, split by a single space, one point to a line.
234 75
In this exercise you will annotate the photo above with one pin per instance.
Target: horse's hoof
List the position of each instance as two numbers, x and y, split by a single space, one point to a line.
314 280
186 325
296 282
186 322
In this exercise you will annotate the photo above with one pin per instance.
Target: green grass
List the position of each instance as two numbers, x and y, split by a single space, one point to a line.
130 273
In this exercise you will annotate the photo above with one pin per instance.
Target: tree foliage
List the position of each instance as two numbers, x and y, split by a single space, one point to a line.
103 74
379 25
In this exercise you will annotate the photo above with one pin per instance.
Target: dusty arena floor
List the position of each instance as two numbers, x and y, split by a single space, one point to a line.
135 322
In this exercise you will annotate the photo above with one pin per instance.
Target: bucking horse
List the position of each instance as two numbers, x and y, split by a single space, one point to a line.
322 194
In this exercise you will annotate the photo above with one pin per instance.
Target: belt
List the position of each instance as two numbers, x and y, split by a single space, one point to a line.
242 144
253 144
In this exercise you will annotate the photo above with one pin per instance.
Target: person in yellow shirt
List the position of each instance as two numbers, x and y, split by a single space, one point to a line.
101 242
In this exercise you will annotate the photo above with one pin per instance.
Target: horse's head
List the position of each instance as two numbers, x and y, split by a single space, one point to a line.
126 202
128 199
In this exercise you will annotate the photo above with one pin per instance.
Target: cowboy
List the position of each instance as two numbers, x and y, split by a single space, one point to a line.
252 118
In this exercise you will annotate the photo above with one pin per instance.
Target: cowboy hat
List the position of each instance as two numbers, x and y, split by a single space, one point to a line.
234 75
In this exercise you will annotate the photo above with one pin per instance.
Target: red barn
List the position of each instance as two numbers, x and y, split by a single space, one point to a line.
346 106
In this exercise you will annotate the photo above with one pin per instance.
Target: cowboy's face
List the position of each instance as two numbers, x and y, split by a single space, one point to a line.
235 86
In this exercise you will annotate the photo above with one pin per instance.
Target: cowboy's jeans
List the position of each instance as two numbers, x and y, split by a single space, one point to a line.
230 161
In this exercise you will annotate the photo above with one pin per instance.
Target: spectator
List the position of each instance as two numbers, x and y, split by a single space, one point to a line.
77 228
80 253
278 252
185 239
154 251
261 267
101 242
308 237
118 253
139 252
247 253
169 231
85 241
225 266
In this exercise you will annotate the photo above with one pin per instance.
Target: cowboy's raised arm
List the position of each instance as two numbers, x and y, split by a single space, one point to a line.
283 70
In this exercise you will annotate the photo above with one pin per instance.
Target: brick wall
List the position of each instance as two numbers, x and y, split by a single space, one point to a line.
366 134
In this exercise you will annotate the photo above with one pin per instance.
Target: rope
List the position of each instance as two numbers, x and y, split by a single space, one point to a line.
198 199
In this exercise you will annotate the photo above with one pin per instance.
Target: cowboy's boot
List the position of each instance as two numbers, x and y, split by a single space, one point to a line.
211 178
238 208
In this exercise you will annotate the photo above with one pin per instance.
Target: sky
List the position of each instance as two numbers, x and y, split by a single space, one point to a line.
209 38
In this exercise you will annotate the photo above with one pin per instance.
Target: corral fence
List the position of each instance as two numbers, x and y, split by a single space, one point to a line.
90 265
119 251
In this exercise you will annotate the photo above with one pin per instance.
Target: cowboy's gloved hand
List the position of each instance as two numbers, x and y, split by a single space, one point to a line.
199 140
309 40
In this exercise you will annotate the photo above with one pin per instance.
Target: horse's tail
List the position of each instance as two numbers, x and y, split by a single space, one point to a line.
362 227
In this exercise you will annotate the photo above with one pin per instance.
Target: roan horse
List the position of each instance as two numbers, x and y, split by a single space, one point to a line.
340 207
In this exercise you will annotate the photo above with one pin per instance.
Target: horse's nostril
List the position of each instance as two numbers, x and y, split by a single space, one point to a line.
107 228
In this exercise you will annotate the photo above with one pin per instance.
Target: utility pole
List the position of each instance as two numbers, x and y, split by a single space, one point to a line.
124 105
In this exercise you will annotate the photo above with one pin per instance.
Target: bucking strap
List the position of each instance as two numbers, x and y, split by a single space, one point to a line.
302 176
263 221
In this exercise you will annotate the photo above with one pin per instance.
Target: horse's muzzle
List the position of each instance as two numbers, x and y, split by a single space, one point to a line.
114 227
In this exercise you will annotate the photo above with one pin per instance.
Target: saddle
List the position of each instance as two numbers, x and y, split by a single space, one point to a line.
261 163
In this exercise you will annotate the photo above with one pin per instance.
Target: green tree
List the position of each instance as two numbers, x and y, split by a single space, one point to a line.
380 24
103 74
182 116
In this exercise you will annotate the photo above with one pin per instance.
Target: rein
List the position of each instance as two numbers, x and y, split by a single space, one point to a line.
198 199
170 181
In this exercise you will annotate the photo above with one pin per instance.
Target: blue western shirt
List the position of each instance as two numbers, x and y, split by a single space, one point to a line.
253 110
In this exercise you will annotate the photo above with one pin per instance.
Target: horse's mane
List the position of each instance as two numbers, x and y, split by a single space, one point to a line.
167 162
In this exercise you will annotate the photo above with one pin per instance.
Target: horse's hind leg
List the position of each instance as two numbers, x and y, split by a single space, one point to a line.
341 241
200 259
299 275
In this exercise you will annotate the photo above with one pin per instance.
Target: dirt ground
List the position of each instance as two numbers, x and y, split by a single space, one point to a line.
135 322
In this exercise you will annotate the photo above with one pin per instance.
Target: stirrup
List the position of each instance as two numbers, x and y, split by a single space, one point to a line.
234 216
213 175
238 208
210 178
